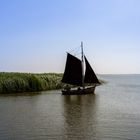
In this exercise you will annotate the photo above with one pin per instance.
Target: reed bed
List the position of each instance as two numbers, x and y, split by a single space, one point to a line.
11 82
28 82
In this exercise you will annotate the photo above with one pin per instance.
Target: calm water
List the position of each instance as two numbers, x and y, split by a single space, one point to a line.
113 113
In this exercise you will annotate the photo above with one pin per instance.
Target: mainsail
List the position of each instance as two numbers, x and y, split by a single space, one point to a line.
73 71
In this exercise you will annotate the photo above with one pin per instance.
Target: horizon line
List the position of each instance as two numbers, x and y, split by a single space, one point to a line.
62 73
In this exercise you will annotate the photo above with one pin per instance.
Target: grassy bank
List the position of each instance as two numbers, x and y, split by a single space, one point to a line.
25 82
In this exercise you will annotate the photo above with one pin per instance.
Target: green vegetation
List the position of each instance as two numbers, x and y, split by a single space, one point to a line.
11 82
26 82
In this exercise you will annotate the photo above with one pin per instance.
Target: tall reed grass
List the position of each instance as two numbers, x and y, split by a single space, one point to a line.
25 82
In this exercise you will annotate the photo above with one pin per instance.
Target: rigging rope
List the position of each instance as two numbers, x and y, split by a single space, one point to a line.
76 51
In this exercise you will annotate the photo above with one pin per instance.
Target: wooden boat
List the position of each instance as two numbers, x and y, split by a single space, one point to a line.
79 91
76 74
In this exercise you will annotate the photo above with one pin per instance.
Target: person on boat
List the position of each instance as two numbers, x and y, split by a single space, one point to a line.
79 88
67 88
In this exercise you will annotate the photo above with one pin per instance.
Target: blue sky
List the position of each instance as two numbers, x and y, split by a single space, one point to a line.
35 34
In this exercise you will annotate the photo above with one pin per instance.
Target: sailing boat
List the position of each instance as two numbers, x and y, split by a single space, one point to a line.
76 74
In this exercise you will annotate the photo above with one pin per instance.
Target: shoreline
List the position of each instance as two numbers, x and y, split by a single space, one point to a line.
16 82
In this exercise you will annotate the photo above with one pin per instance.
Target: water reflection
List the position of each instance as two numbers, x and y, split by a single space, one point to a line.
80 116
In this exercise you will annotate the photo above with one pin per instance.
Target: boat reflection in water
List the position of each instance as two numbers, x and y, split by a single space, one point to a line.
80 116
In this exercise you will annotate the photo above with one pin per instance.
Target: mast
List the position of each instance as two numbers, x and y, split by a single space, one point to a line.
90 76
82 58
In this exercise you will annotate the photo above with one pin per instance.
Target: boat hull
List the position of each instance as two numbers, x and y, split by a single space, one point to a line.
88 90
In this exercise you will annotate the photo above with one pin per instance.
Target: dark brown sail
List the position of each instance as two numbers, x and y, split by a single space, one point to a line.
73 71
90 76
